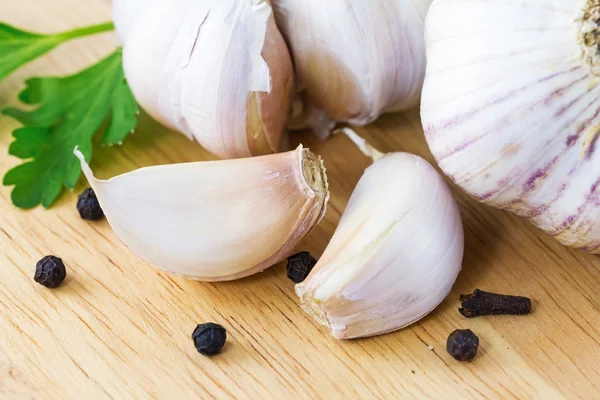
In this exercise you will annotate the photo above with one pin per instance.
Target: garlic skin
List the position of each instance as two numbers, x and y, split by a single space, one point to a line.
356 59
218 220
218 71
510 108
395 255
124 13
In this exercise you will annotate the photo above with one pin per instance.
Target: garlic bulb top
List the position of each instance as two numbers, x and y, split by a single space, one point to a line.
356 59
124 15
395 254
217 220
216 70
511 108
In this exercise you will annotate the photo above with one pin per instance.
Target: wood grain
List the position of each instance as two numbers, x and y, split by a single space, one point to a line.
120 329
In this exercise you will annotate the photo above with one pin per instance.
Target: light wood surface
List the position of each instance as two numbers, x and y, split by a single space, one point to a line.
120 329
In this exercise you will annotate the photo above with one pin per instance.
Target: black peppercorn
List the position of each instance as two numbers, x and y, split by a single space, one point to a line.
299 266
50 271
209 338
462 344
88 205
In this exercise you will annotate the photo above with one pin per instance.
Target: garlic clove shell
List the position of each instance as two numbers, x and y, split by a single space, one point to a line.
217 220
395 254
217 70
356 59
510 108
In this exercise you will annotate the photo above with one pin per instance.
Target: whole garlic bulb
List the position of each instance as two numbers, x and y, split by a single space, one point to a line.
216 220
355 59
395 254
511 112
216 70
124 15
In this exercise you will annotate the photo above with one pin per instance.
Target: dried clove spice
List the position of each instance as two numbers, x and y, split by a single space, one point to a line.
462 344
483 303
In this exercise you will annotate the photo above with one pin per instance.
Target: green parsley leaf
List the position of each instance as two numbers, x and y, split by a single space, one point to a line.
70 110
18 47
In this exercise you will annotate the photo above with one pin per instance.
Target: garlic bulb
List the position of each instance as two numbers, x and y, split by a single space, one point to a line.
395 254
355 59
124 15
511 112
216 220
216 70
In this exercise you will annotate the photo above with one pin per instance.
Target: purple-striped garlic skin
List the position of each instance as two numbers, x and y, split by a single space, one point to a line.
511 108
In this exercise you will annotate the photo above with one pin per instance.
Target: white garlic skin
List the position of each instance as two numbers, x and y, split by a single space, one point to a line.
124 13
216 70
356 59
216 220
395 254
511 109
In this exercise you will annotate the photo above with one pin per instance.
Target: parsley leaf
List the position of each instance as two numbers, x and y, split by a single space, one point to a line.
70 111
18 47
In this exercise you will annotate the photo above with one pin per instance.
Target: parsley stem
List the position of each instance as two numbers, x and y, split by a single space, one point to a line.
88 30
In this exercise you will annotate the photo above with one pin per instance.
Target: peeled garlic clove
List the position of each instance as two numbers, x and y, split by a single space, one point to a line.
218 220
356 59
216 70
511 108
394 256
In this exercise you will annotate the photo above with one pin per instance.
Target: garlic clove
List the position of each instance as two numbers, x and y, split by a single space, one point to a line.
218 220
218 71
395 254
511 117
356 59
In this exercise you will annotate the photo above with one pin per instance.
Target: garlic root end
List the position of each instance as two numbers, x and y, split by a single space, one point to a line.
310 306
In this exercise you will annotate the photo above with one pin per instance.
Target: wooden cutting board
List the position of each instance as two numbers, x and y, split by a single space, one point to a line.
118 328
